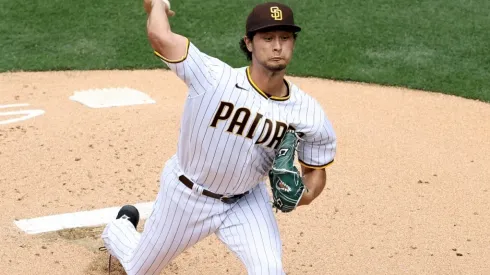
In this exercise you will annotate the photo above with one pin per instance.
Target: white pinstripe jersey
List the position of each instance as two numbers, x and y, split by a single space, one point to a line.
230 128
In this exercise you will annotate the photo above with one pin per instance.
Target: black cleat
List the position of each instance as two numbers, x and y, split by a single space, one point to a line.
129 212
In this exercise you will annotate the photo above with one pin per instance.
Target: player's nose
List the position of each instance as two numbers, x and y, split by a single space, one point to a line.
277 45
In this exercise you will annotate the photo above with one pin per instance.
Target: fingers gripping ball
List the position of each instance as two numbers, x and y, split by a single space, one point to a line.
149 4
286 182
167 8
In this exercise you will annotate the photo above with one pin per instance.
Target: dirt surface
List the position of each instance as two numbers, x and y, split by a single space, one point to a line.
409 192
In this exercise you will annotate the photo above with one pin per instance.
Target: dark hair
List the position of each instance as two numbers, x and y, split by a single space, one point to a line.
243 45
250 36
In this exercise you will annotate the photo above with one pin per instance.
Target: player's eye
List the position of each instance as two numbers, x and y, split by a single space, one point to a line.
268 39
286 37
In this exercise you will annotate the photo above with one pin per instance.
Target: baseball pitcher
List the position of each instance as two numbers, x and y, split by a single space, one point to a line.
239 129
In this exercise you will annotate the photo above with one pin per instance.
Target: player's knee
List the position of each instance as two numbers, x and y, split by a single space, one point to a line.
136 272
131 269
269 268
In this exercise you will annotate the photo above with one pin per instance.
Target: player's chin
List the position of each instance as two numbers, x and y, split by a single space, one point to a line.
276 67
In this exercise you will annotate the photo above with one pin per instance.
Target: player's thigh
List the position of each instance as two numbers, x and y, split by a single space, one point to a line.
250 230
171 227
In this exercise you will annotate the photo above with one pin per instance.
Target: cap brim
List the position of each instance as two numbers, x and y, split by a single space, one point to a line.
271 27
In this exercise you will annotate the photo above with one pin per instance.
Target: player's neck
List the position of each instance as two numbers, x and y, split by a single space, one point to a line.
268 81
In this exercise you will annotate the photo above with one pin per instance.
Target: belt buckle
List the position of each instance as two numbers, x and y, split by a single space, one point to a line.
229 199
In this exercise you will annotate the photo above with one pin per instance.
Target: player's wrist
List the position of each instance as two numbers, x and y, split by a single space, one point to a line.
307 198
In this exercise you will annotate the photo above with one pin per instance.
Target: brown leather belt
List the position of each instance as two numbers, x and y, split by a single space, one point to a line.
224 198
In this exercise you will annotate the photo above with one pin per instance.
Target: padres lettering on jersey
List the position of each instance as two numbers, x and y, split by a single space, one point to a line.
240 120
230 128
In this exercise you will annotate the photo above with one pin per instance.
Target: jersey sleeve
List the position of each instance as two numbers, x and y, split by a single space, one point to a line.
317 148
198 70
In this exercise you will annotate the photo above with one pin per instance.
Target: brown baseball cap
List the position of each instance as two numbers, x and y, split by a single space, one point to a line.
271 15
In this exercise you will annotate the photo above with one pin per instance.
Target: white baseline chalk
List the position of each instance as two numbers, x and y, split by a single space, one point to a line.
27 115
77 219
14 105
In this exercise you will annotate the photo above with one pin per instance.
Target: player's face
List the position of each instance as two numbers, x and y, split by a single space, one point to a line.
273 50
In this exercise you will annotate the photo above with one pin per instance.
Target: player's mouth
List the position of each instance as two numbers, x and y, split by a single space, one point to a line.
277 58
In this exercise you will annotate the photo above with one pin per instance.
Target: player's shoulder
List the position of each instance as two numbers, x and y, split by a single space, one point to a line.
241 75
242 71
299 94
194 52
304 99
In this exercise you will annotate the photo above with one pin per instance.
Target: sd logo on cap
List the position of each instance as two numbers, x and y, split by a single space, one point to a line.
276 13
271 15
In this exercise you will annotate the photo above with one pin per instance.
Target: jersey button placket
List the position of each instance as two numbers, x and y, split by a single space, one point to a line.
264 110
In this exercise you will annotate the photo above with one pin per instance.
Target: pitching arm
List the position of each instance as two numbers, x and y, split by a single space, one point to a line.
169 45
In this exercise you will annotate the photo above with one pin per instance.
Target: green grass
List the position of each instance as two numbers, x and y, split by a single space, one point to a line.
437 45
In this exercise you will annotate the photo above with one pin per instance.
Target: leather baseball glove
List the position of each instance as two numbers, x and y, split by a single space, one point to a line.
286 182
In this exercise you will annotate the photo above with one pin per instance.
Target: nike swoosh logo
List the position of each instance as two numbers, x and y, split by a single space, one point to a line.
236 85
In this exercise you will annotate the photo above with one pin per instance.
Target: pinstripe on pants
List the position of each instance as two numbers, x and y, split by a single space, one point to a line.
180 218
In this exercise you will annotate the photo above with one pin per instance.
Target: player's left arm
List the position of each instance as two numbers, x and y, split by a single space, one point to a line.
316 152
315 181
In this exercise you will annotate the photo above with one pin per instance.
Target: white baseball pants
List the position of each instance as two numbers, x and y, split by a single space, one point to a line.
181 218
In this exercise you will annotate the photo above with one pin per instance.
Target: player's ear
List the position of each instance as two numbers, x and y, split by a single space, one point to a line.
248 43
